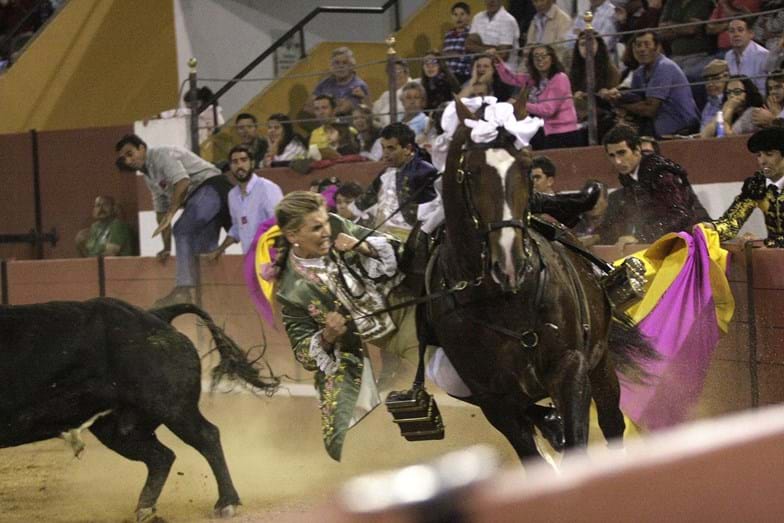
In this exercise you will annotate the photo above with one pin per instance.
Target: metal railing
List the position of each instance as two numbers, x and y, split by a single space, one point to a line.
298 29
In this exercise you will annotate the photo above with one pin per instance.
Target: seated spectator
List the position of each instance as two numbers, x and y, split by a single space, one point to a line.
649 144
344 86
747 57
550 98
774 101
494 28
655 195
284 144
251 202
108 235
454 42
324 106
413 105
247 127
344 200
769 31
715 74
341 140
689 46
662 100
483 72
439 82
550 24
543 174
209 119
633 15
368 135
381 105
603 23
728 9
740 99
606 77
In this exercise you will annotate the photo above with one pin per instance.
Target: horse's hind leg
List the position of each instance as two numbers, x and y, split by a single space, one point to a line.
138 442
517 430
607 395
191 427
571 392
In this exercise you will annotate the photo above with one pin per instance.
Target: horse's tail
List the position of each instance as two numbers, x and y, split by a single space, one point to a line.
630 349
233 360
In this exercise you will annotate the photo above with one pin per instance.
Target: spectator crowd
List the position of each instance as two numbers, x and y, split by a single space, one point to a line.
662 69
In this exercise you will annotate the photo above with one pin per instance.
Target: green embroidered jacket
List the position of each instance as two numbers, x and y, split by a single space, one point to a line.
305 301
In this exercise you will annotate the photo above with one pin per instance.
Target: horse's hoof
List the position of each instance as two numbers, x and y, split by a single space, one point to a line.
229 511
146 515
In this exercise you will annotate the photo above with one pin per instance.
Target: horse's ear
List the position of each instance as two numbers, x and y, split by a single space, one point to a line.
520 105
463 113
524 158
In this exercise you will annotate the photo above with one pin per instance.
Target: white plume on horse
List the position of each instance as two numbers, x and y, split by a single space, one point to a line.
496 114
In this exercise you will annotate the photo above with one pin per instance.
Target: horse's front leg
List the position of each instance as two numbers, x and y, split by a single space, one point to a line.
570 390
517 429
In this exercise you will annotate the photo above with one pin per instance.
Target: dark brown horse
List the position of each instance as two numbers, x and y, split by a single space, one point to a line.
530 319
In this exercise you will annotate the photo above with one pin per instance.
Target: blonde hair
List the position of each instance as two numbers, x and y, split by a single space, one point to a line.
292 209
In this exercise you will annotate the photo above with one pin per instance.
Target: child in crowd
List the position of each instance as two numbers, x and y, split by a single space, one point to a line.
454 43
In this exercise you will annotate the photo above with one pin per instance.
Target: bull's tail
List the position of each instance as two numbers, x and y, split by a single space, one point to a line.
233 360
630 350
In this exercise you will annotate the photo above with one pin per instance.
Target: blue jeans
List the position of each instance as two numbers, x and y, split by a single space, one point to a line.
196 232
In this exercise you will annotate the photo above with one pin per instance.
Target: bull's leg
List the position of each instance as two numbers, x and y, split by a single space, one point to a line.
571 392
607 395
196 431
138 442
517 429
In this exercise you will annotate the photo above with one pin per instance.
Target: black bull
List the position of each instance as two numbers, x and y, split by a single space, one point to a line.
61 363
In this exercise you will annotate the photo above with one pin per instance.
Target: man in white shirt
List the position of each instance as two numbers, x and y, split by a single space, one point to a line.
495 28
746 57
550 24
251 202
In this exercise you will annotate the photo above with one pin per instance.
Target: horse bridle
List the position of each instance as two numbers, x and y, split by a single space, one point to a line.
483 228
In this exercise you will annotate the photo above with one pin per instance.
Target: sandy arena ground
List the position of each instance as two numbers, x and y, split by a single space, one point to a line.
274 451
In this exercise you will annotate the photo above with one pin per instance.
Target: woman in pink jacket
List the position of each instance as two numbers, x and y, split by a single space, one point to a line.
550 98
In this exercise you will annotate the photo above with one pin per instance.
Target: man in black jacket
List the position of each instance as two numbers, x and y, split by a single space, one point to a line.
655 198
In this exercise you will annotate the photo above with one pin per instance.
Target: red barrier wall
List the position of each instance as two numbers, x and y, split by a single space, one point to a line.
731 383
78 165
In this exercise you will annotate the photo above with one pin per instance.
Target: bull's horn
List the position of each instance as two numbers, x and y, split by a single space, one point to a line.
463 113
520 105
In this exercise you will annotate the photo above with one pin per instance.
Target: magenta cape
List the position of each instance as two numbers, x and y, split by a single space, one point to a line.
681 315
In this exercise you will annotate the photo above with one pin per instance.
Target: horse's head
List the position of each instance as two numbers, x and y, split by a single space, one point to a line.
495 187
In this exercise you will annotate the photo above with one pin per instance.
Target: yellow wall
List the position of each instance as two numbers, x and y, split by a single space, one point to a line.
423 31
98 63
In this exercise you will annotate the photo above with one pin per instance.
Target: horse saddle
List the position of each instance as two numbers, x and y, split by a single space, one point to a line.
416 413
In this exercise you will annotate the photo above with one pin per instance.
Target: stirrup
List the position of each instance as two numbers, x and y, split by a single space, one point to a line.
625 285
416 413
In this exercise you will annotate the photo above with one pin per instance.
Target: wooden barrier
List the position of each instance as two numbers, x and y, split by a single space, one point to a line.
727 469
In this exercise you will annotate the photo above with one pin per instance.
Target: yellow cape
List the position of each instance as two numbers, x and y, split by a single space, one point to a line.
664 261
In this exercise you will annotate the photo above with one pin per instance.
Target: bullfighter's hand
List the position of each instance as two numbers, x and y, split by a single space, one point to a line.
334 328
